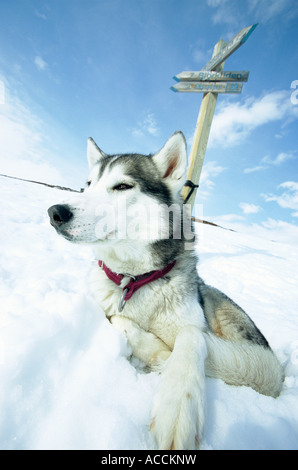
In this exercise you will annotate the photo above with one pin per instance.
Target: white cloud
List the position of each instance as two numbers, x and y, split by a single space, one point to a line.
270 229
293 185
199 56
147 126
289 197
234 122
40 63
267 161
225 12
269 9
279 159
209 173
2 92
249 208
216 3
254 169
41 15
226 219
23 143
200 53
150 125
281 231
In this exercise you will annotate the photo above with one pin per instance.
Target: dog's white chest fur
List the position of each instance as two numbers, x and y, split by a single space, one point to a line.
157 307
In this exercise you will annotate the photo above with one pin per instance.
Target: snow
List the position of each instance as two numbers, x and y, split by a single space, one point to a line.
66 378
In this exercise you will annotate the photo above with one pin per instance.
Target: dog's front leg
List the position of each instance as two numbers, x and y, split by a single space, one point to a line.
178 410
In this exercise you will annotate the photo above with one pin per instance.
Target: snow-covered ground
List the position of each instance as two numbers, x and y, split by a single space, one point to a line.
66 382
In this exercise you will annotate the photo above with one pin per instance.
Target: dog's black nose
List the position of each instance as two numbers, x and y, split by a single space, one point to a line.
60 214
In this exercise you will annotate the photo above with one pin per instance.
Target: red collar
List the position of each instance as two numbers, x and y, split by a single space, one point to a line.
135 282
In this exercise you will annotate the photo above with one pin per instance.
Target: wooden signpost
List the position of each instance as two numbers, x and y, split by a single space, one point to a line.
211 80
206 87
229 48
240 76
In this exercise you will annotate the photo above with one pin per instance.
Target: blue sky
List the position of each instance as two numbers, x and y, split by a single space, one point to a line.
70 69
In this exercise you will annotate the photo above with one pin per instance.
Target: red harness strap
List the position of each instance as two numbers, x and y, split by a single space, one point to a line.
135 282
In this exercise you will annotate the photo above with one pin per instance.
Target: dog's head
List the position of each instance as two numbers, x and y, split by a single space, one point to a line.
127 197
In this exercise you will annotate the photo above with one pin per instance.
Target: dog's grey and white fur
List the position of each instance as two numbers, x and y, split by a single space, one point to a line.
176 324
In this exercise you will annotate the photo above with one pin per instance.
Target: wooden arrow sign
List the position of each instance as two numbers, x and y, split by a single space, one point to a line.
211 81
231 47
201 76
207 87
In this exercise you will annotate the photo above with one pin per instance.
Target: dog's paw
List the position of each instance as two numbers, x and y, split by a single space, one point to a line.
177 417
121 324
178 407
145 345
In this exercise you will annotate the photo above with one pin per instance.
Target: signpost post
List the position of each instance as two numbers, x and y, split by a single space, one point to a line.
211 80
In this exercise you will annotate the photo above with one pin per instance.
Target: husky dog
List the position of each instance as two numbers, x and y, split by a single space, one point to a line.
147 283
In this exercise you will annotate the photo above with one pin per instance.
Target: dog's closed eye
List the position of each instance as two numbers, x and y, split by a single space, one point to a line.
122 187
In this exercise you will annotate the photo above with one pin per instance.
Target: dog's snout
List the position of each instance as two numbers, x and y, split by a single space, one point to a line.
60 214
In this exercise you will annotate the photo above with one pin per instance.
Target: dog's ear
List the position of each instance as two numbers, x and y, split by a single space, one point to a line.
171 160
94 154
